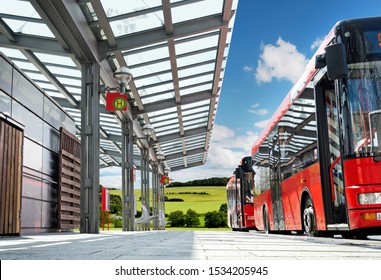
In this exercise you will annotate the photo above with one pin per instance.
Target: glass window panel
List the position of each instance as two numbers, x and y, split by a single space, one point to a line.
46 86
26 65
198 69
26 93
75 91
194 126
152 80
195 45
196 104
33 124
156 89
31 187
191 122
37 76
55 59
146 56
204 109
55 93
51 138
196 10
195 89
196 58
137 24
64 71
19 8
5 103
50 163
186 117
13 53
5 75
151 68
165 123
196 80
68 81
119 7
32 155
167 132
164 117
162 112
31 28
157 98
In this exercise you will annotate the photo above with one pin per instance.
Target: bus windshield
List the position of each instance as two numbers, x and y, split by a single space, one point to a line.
364 106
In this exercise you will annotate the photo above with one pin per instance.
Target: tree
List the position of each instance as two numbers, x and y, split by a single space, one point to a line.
215 219
191 218
177 218
115 203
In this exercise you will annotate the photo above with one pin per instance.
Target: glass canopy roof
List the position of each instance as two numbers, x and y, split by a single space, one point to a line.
175 49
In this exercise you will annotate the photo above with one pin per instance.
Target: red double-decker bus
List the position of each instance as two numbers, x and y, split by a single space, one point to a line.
318 162
240 195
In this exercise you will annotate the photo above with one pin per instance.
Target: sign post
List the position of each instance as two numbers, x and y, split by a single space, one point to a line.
106 207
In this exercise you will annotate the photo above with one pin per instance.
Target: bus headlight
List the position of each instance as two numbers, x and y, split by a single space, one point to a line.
369 198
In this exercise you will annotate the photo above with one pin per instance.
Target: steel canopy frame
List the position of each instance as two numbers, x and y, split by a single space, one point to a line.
180 100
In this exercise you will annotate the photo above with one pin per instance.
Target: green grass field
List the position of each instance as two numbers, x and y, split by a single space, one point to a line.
201 203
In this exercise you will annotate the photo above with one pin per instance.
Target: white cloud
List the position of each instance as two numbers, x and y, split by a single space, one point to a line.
256 111
225 152
111 177
247 68
282 61
315 45
262 124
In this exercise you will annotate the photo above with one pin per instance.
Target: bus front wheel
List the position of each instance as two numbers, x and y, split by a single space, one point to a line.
309 221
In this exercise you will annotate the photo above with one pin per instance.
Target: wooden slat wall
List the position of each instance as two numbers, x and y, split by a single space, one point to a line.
11 143
69 181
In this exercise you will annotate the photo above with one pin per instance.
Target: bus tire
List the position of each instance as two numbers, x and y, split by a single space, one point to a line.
266 221
309 221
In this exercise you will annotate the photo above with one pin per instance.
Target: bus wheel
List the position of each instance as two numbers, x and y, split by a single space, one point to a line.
266 222
309 218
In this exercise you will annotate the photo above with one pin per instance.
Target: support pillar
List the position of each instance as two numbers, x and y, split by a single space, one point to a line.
155 196
145 197
90 148
128 199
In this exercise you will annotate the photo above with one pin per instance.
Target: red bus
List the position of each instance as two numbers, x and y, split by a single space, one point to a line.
240 194
318 162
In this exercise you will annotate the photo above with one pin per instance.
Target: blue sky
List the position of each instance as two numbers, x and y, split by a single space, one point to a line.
272 42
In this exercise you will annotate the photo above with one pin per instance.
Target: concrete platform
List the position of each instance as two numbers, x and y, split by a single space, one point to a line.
182 245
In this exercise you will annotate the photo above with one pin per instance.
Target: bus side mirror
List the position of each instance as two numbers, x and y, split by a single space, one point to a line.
336 61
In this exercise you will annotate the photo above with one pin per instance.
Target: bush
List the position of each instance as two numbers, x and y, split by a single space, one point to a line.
224 208
117 221
215 219
175 199
177 218
191 218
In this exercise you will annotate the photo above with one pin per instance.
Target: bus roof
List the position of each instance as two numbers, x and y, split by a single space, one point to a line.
295 91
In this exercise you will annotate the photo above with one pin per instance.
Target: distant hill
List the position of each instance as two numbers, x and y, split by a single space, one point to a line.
215 181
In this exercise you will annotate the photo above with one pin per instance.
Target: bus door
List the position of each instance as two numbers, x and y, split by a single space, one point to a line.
275 185
238 199
330 154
